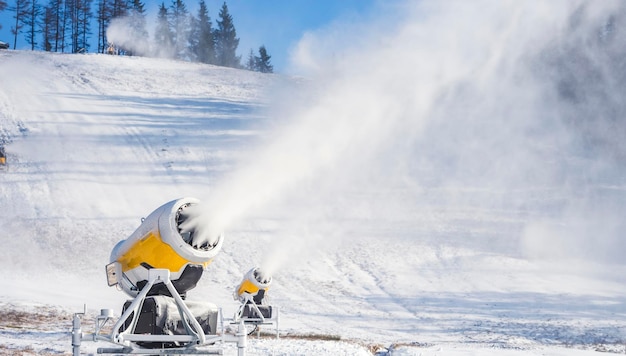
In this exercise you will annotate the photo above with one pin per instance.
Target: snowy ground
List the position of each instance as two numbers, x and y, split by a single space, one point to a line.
365 263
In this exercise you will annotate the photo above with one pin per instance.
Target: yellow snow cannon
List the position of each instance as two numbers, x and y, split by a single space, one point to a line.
252 294
253 287
174 237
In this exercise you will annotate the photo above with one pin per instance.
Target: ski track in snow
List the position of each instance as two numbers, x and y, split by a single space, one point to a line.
96 141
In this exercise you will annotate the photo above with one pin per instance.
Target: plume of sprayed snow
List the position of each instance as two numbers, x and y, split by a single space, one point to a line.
455 104
122 33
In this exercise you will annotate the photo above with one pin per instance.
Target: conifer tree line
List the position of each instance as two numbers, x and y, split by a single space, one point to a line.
66 26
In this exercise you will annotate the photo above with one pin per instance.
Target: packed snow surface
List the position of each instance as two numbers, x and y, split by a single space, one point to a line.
396 216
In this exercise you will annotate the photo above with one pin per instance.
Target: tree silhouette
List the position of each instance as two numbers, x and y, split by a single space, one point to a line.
226 40
263 62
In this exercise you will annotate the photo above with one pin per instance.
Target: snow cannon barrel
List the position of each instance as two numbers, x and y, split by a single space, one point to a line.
253 287
173 237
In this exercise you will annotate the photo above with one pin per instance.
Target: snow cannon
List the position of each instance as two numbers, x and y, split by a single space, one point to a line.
174 237
252 294
253 287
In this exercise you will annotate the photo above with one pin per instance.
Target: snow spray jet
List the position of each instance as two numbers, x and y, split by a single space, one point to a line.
332 124
463 99
123 33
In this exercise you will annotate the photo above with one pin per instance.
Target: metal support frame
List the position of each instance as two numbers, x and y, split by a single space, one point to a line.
124 337
247 300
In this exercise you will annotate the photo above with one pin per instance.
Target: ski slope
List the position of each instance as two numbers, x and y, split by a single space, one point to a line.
386 228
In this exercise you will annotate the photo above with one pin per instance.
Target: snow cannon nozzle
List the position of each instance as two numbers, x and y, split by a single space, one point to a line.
261 276
193 228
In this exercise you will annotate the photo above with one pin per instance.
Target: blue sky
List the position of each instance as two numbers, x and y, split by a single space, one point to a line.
277 24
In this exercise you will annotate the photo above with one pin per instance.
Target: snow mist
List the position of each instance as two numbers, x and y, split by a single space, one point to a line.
123 33
438 113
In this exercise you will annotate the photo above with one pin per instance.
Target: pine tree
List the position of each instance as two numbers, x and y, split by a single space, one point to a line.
31 22
83 25
21 12
63 23
56 12
79 18
119 8
47 28
107 11
3 5
202 38
263 63
72 6
104 18
194 38
163 34
251 62
139 33
226 40
179 24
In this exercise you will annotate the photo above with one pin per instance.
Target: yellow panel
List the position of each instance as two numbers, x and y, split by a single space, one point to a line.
153 251
248 287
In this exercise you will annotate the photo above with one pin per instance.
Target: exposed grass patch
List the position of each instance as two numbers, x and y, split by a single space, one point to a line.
37 318
271 334
266 334
410 344
376 349
316 337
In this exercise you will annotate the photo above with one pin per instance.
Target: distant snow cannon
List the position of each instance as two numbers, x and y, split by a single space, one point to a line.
3 159
174 238
252 294
253 287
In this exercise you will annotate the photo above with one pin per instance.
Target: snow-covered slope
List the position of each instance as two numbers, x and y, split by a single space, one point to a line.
377 225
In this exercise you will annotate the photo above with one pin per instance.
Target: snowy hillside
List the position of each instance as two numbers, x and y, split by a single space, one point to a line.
437 210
